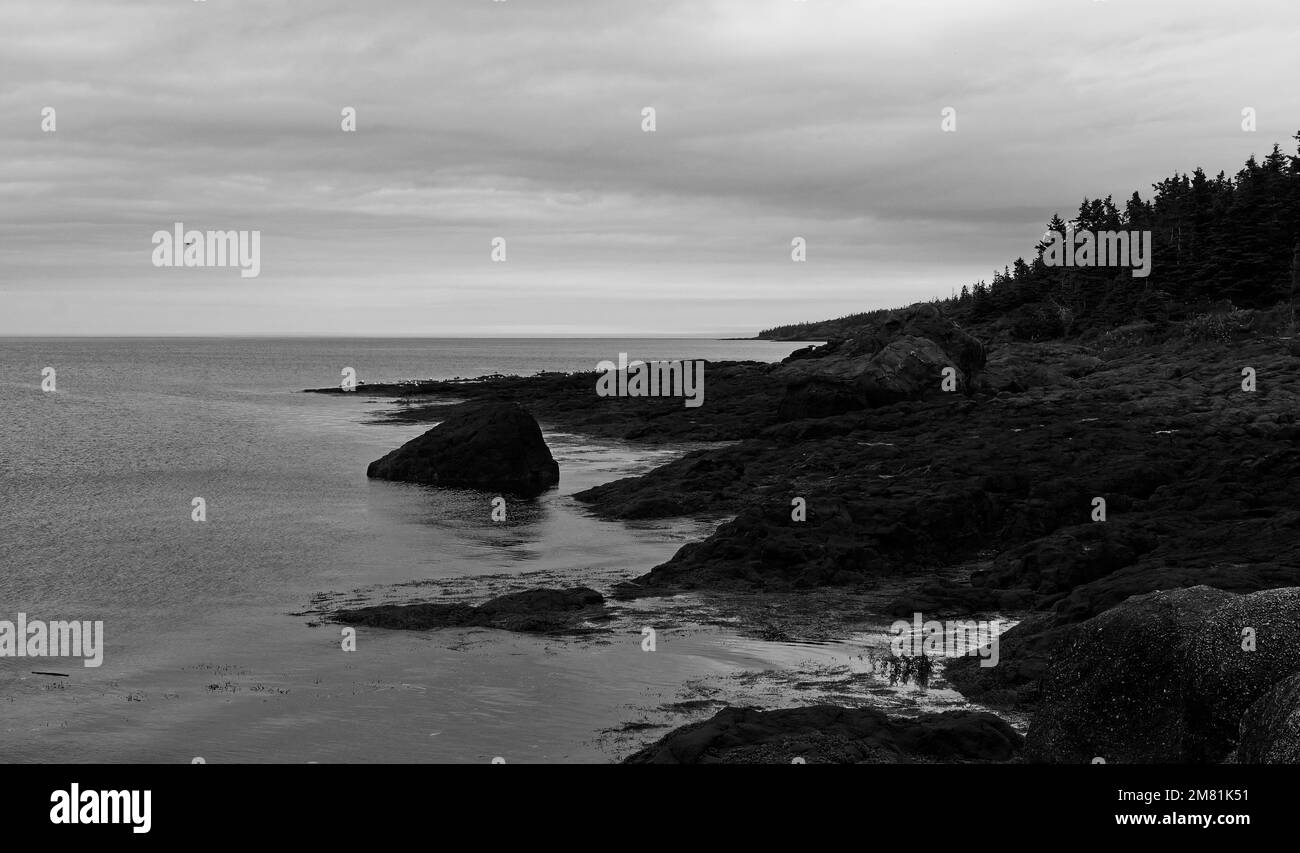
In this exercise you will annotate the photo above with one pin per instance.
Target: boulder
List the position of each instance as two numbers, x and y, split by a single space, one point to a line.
827 734
496 447
1270 728
1118 688
1164 677
1230 674
901 358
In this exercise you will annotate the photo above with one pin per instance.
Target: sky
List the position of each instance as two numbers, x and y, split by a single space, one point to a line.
523 119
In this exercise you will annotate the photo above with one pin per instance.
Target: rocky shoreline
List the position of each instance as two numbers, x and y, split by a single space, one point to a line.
1130 494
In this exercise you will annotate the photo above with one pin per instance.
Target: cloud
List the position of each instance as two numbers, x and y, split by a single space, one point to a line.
522 119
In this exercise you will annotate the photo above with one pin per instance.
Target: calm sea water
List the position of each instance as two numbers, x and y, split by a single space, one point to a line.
209 651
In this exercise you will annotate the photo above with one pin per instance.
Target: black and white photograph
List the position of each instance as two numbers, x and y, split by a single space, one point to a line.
567 382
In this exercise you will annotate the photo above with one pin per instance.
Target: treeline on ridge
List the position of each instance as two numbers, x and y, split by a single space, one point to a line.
1218 243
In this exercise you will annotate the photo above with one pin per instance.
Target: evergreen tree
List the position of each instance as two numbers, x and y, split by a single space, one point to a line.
1221 238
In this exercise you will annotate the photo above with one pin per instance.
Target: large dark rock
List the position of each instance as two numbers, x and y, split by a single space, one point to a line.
1270 728
1228 678
1164 677
534 611
900 358
827 734
495 447
1117 689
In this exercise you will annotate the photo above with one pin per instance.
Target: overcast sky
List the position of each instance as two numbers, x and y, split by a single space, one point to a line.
523 119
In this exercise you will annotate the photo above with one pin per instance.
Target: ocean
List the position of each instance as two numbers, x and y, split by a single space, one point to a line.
213 648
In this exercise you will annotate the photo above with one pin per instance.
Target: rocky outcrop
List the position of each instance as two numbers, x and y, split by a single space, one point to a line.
699 483
1199 480
496 447
826 734
900 358
534 611
845 538
1164 677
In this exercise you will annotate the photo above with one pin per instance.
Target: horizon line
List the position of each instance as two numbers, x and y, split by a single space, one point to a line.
325 336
